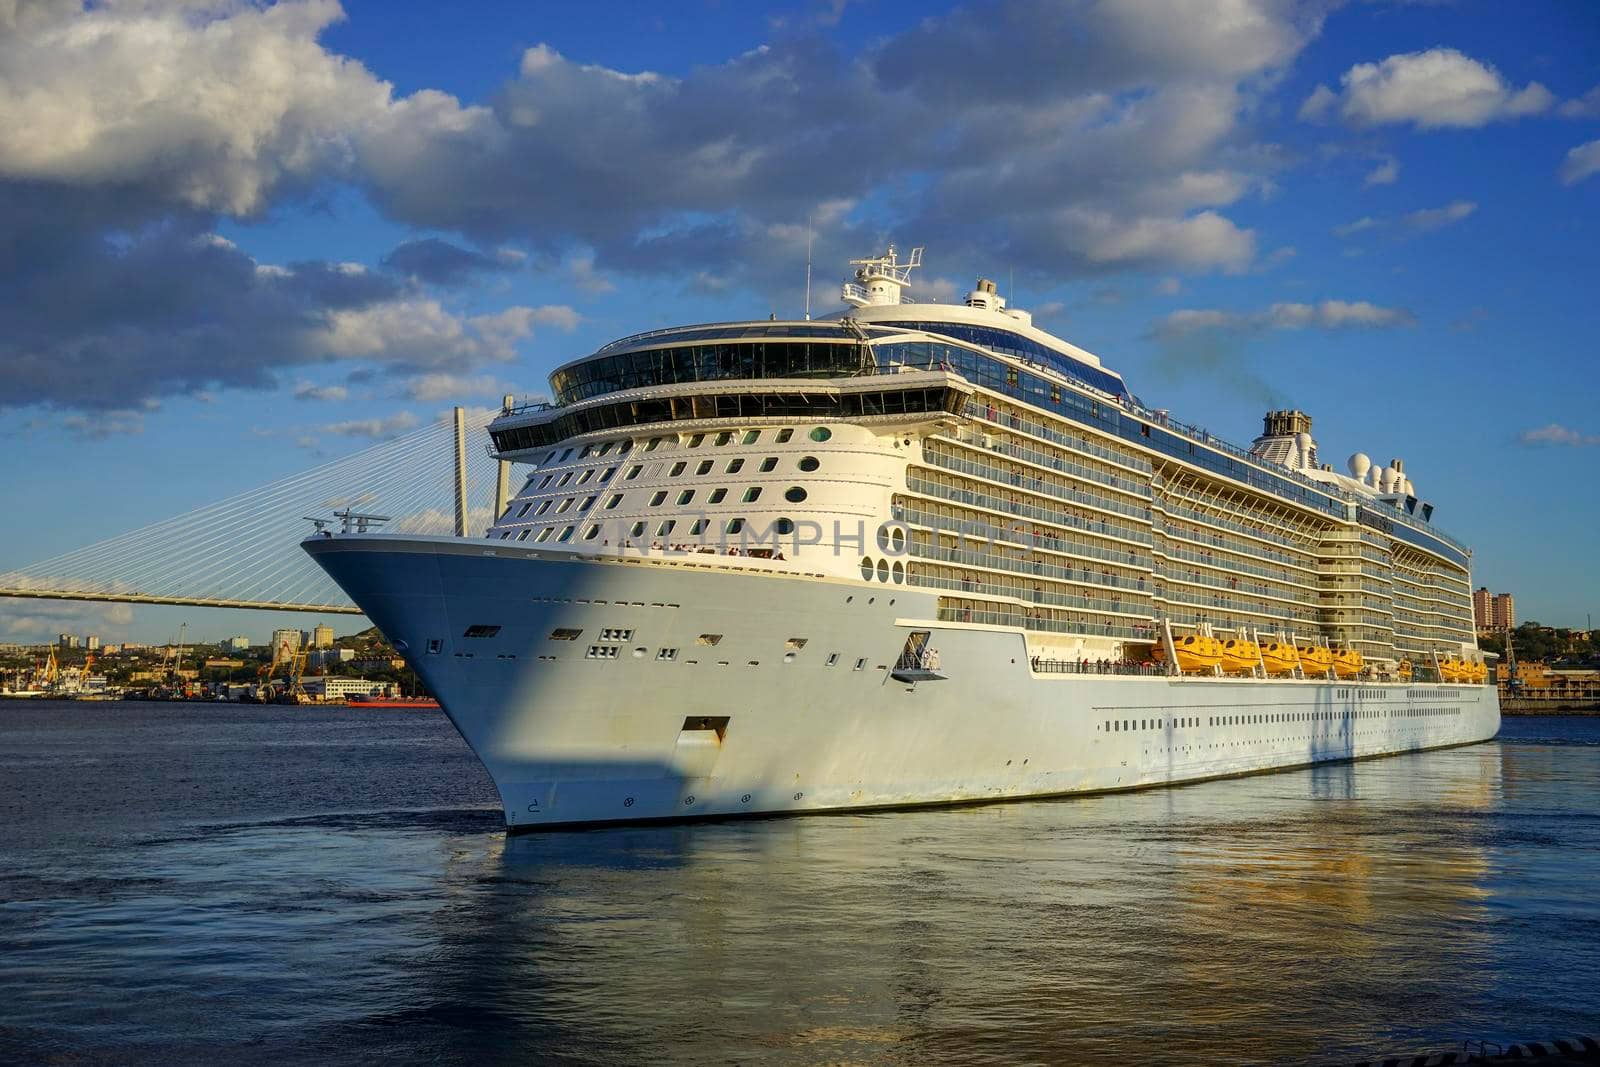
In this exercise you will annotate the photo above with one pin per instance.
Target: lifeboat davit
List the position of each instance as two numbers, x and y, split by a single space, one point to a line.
1278 658
1315 661
1197 653
1240 657
1347 663
1404 671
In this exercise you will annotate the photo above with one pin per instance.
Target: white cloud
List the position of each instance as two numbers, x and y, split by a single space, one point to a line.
434 387
1438 217
103 424
1350 229
1586 106
1385 173
1169 287
312 391
1434 89
383 426
1206 239
210 105
1557 434
1580 163
1327 315
420 332
37 621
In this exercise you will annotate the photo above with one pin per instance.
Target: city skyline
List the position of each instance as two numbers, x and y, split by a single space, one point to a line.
325 226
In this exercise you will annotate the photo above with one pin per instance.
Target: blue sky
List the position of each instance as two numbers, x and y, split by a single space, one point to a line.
236 239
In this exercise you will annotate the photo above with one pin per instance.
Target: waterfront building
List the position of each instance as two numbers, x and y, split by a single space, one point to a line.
322 637
285 643
1493 613
331 688
92 643
236 644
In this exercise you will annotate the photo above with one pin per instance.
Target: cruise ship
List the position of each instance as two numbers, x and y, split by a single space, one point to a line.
913 553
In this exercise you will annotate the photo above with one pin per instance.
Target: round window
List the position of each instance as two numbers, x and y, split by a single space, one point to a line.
809 464
795 495
785 526
821 433
883 570
898 539
866 568
899 572
883 538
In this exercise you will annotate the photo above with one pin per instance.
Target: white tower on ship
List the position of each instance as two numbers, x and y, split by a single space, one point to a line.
881 280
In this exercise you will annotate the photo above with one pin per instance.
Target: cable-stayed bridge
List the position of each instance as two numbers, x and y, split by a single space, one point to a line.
244 552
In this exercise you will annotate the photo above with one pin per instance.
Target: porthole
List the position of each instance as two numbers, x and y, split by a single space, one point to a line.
795 495
810 463
866 568
883 570
785 526
821 433
899 572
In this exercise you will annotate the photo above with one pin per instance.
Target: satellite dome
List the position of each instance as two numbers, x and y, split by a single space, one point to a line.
1359 465
1389 477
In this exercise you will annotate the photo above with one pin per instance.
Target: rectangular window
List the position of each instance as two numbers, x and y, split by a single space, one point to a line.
481 630
685 496
616 634
544 507
633 471
725 437
658 497
666 527
565 478
435 645
653 444
735 466
566 534
588 502
523 536
667 654
592 532
677 468
752 494
616 498
586 476
637 529
696 440
704 468
698 528
716 496
606 477
769 464
601 652
562 633
751 436
565 504
525 508
833 659
544 534
708 639
546 481
735 525
784 435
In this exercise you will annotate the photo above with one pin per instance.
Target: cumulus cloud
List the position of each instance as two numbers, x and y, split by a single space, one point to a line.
439 262
435 387
1557 434
205 105
1385 173
1586 106
129 128
1435 218
375 428
311 391
39 621
1327 315
1439 88
1420 221
1581 162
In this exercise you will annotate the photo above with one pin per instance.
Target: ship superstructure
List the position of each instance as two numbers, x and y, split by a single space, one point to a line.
727 531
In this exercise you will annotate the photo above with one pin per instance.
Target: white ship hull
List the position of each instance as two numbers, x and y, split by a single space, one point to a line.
572 735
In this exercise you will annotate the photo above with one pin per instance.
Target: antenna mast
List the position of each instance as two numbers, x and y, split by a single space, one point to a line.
808 268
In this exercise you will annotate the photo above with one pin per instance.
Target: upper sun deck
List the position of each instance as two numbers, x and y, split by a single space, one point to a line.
981 339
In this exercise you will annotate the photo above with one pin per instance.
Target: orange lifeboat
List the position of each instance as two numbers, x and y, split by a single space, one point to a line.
1347 663
1279 658
1454 670
1197 653
1480 672
1240 657
1404 671
1315 661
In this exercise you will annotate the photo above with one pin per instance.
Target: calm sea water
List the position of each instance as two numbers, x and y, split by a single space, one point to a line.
188 884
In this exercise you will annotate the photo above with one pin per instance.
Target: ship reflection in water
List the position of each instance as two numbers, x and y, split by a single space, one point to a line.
1391 906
